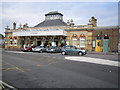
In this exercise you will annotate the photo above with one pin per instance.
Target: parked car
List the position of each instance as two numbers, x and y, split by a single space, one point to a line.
39 49
27 48
54 49
72 50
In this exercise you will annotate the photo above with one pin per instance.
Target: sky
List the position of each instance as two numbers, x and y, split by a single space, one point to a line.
33 13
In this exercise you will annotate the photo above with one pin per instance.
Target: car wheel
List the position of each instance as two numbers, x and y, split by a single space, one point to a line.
40 51
28 50
63 53
80 53
56 51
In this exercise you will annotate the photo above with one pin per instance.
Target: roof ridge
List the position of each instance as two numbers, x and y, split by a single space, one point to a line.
56 22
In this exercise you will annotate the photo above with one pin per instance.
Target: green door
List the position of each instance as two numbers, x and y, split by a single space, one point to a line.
105 45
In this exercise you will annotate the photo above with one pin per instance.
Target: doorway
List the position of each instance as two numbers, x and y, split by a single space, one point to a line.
46 44
56 43
38 43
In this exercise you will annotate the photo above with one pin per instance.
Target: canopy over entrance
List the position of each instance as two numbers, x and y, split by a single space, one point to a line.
46 32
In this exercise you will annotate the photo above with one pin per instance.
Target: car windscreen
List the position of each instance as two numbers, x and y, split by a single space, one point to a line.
53 47
28 46
39 47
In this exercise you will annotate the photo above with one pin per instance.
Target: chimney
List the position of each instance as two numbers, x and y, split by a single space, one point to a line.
14 25
71 22
68 23
94 21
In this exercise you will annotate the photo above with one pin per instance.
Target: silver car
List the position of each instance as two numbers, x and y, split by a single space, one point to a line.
54 49
39 49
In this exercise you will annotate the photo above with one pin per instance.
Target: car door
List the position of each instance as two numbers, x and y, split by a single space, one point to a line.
68 50
37 48
56 49
73 50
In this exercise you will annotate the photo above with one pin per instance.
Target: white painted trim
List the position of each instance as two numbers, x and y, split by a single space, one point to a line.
47 32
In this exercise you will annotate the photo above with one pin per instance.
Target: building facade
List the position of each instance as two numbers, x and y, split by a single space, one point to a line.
106 38
1 41
53 31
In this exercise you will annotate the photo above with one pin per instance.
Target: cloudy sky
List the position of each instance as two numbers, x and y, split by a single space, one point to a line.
33 12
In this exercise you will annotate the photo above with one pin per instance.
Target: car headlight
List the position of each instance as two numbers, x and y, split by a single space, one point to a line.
52 49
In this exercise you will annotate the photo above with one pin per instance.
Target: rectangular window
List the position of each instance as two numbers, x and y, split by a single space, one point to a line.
10 43
74 39
93 43
10 39
15 41
82 41
75 43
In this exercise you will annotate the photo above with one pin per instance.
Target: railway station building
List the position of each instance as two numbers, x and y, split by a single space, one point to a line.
53 31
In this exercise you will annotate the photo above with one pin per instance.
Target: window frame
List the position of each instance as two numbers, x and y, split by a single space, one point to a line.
82 41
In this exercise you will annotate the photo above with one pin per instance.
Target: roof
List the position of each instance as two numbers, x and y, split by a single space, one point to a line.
76 29
1 36
106 27
54 13
56 22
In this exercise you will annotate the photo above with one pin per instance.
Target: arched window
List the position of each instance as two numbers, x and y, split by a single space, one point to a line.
74 38
82 40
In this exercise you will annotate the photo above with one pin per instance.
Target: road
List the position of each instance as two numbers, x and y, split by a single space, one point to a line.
52 70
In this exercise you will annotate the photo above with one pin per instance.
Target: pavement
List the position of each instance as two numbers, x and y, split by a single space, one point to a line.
103 53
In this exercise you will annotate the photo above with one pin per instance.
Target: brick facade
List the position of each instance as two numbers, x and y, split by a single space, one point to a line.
82 36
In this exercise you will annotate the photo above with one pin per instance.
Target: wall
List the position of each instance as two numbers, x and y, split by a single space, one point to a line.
113 37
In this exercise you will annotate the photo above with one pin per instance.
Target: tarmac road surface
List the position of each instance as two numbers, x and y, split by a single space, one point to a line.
53 70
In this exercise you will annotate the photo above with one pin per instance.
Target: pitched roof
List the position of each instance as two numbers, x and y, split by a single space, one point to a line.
105 27
56 22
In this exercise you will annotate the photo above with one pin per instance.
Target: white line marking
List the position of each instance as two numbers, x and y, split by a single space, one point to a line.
94 60
1 82
15 52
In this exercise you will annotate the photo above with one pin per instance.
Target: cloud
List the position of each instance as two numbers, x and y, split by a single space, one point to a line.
33 12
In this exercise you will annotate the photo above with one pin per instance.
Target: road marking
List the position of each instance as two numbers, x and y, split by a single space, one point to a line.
94 60
40 65
19 69
15 67
9 86
15 51
7 69
52 62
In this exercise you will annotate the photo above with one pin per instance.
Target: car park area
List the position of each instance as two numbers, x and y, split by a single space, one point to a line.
48 70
